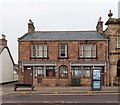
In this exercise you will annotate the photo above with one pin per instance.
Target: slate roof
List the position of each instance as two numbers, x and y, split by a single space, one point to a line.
63 35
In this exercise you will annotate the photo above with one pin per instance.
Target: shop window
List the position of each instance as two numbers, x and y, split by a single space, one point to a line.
63 71
50 71
86 71
39 71
76 72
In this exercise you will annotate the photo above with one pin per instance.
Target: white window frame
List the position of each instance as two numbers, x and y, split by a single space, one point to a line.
41 50
83 51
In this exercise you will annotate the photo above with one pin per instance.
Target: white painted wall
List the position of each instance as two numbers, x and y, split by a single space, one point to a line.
6 67
15 76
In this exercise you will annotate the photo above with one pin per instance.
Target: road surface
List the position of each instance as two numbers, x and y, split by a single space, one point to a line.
59 98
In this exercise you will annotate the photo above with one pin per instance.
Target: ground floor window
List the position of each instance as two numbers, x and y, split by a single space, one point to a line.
44 71
63 71
86 71
76 71
50 71
39 71
79 71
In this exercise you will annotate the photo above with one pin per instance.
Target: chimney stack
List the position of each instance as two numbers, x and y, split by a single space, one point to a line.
3 41
31 27
99 27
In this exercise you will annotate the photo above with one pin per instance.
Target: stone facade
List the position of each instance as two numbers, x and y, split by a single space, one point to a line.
112 32
73 55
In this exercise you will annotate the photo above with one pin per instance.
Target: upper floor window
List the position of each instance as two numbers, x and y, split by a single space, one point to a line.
39 50
118 41
87 51
63 50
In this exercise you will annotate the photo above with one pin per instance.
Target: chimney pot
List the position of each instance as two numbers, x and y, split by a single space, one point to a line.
99 27
3 36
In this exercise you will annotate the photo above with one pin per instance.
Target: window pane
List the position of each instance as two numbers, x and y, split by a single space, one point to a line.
86 71
40 50
81 50
39 71
93 50
50 71
87 47
62 53
94 53
87 53
62 46
45 50
87 50
93 46
76 71
45 53
33 50
63 72
118 41
63 50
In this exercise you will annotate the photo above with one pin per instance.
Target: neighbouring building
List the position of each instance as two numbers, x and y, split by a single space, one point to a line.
8 69
58 57
113 34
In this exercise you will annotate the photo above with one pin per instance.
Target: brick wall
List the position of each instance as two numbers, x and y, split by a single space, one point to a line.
53 52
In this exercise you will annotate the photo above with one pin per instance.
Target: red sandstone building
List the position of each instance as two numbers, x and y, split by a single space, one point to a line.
58 57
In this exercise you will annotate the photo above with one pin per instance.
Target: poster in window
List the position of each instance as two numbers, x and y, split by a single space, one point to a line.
96 84
96 74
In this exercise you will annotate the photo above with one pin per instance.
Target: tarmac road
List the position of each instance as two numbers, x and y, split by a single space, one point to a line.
59 98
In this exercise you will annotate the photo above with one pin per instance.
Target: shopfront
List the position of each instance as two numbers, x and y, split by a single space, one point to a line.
82 71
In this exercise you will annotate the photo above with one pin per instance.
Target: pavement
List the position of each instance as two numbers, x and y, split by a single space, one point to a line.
57 90
69 91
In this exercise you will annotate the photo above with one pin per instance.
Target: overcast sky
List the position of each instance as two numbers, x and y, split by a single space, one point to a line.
51 15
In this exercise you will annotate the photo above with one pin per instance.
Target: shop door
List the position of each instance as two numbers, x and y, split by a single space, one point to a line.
28 75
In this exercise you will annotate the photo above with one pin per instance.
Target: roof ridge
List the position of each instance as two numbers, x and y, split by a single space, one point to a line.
68 31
